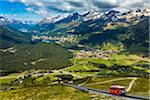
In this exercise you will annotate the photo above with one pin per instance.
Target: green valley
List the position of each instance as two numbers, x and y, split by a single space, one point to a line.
90 56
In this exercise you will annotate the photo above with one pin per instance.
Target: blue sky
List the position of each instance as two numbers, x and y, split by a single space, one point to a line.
36 10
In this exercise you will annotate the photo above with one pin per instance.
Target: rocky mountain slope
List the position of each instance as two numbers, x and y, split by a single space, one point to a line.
95 28
23 26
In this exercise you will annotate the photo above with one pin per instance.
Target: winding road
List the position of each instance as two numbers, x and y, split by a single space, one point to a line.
65 72
131 84
128 89
118 79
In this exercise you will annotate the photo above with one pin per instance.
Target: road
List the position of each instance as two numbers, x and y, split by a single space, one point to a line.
87 89
108 81
131 84
6 77
65 72
81 84
129 87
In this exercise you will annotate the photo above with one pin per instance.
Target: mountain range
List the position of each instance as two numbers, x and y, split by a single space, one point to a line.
90 18
95 28
127 31
89 29
22 26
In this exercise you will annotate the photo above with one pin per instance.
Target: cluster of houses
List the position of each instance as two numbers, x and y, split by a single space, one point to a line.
10 50
57 39
94 53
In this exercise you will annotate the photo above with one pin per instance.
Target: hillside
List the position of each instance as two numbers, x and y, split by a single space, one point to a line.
18 53
23 26
74 50
94 29
131 37
10 37
139 37
37 56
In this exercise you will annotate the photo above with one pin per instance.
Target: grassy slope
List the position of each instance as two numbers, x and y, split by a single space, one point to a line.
140 87
54 57
120 59
56 92
9 37
134 36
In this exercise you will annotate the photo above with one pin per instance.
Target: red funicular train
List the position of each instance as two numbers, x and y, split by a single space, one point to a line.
117 90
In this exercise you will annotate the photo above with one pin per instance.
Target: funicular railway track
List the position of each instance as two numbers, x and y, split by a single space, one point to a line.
87 89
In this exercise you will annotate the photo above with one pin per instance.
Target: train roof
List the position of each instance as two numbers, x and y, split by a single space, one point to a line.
117 86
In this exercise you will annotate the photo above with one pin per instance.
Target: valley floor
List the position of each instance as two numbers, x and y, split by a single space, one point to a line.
88 72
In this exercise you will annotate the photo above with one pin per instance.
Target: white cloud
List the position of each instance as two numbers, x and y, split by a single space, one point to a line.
113 1
38 3
42 11
29 9
13 0
8 15
133 4
47 6
30 2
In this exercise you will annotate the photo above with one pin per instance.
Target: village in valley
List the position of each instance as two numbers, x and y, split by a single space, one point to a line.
74 50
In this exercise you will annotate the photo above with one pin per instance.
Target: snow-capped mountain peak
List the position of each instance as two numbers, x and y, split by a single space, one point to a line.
2 19
137 13
51 19
91 15
16 24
